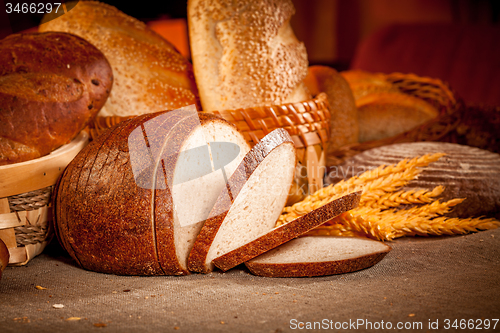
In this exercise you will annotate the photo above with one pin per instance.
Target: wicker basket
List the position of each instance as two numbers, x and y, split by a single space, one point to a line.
307 122
25 196
450 107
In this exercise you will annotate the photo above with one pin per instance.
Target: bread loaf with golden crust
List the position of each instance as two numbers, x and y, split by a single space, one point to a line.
245 53
51 85
150 74
383 109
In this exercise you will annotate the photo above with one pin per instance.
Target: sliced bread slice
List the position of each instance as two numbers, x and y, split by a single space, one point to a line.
319 255
276 236
251 202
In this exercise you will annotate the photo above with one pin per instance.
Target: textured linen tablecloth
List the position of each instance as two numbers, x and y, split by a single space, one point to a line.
421 280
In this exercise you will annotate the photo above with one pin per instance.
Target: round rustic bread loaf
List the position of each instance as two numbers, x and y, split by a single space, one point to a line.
124 205
464 171
51 85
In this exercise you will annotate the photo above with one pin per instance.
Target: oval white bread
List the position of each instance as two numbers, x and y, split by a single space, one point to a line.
317 256
251 202
245 53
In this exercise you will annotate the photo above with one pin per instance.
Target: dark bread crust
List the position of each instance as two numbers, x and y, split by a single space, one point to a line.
308 269
103 216
51 85
104 219
198 254
287 232
4 257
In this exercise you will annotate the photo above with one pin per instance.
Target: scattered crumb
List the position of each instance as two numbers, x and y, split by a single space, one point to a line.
73 318
146 297
411 315
114 292
176 327
126 290
40 288
385 297
276 293
295 301
263 293
58 306
222 322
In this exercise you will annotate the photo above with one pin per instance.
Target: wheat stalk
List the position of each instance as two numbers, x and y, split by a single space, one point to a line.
378 215
377 182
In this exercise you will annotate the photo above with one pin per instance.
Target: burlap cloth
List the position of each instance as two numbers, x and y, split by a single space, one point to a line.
420 280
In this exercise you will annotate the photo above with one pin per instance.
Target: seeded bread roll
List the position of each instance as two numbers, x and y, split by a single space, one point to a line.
51 86
150 74
245 53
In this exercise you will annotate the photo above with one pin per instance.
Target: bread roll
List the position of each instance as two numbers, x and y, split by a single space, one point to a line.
124 204
464 171
51 85
245 53
387 114
150 74
344 127
365 83
384 110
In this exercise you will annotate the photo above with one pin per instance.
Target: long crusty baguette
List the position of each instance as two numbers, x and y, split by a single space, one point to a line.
284 233
150 74
245 53
317 256
251 202
51 86
124 204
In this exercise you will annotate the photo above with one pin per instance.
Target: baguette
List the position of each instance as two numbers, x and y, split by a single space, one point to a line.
245 53
51 86
251 202
318 256
286 232
124 208
150 74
